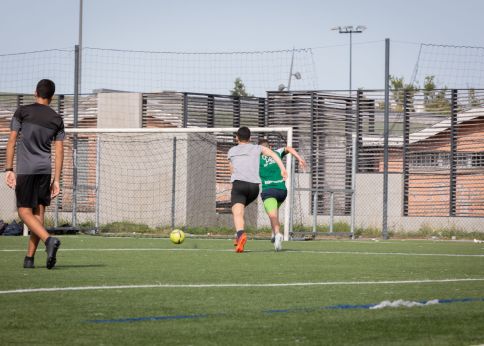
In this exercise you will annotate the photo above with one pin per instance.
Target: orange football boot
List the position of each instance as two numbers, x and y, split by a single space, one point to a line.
241 243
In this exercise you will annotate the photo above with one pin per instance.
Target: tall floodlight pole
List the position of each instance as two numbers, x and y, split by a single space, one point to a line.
77 91
350 30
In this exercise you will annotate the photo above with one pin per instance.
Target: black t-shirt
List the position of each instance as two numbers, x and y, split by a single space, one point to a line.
37 126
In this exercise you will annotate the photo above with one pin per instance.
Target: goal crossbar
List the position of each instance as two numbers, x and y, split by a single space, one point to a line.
176 130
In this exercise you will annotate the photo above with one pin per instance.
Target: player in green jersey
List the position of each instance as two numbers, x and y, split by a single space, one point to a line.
274 190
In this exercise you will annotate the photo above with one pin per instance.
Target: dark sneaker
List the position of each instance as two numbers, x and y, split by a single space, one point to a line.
29 262
51 246
273 239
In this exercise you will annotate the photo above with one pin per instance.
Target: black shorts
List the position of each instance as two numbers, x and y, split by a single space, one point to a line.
278 194
32 190
244 192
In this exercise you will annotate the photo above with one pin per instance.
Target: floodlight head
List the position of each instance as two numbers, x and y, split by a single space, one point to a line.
349 29
281 87
297 75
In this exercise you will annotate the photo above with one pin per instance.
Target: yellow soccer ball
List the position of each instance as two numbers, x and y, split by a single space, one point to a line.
177 236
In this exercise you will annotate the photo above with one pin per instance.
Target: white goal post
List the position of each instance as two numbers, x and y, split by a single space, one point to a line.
76 135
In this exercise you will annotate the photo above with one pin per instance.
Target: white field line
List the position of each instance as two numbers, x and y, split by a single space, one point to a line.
284 251
235 285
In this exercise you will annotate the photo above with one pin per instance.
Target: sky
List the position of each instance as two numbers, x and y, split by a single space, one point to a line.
252 25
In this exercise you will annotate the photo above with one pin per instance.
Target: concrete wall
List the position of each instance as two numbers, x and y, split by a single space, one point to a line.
199 170
369 207
119 110
369 199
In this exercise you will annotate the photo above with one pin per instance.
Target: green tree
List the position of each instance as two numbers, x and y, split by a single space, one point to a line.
435 100
473 100
399 88
239 88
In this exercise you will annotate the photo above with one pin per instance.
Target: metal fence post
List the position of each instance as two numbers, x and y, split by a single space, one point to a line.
210 111
98 180
262 119
353 183
385 141
315 210
74 143
349 129
236 109
406 145
185 110
173 185
293 184
60 111
331 211
453 154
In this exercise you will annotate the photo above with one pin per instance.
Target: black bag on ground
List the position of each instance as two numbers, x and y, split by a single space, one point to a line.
3 225
14 229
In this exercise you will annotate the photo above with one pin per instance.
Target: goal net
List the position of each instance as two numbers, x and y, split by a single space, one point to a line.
155 179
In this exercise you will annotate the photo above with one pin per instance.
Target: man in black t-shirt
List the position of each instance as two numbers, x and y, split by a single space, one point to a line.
33 129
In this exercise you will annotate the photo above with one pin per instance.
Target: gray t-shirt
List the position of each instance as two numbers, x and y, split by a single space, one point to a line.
245 162
37 126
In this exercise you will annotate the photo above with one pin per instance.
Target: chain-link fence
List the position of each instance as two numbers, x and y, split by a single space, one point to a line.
435 149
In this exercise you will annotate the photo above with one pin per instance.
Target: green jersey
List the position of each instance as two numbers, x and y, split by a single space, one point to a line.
270 173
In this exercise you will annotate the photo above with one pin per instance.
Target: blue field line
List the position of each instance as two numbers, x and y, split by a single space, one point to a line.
461 300
274 311
365 306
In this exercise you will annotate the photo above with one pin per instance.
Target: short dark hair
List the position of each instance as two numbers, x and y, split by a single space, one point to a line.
45 89
263 141
243 133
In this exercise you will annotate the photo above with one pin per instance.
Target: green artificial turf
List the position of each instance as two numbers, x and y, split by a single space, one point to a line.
225 298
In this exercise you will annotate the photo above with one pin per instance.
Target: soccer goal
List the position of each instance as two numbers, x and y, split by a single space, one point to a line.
134 180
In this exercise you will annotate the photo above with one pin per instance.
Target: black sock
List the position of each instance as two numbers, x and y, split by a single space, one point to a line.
239 233
29 258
